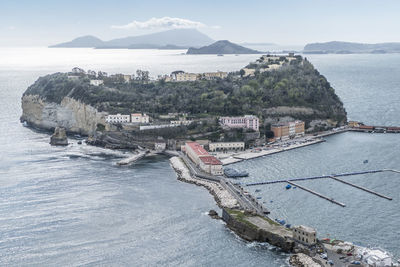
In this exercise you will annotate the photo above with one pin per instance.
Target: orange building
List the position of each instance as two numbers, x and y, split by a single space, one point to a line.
288 129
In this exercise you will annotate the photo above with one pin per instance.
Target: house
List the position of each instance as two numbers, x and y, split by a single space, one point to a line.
226 146
127 78
140 118
118 118
288 130
96 82
305 235
247 122
248 72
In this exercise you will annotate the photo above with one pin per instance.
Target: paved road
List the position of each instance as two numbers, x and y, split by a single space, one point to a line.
244 200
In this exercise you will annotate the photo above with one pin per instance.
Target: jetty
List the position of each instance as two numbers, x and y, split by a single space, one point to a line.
334 177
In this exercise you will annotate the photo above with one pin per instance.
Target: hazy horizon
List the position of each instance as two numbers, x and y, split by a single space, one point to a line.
44 22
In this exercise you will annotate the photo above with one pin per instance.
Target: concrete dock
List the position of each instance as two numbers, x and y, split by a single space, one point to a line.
360 187
317 194
334 177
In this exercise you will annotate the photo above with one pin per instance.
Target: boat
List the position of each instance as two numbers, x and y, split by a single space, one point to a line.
258 190
220 55
232 173
288 186
259 197
365 161
288 225
281 222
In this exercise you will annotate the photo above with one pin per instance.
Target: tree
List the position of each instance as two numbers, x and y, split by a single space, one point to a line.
242 72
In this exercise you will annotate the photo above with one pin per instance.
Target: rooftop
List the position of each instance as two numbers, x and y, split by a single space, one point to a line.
197 148
306 228
210 160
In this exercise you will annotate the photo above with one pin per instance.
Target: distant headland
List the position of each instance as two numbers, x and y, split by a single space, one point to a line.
336 47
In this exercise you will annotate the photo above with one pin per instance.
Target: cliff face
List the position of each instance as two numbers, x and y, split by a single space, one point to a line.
70 114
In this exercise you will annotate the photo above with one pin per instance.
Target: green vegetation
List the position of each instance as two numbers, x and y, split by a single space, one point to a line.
297 84
239 215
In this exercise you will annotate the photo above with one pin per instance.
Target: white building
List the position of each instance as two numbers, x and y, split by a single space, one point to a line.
215 75
223 146
140 118
202 159
96 82
181 121
247 121
160 146
117 118
185 76
305 235
375 257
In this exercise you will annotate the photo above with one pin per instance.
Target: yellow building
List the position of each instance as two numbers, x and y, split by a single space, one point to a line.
305 235
288 129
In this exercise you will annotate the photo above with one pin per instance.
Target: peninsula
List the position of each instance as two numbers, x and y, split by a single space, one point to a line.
273 88
336 47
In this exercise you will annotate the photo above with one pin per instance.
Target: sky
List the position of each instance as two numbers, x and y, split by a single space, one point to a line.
285 22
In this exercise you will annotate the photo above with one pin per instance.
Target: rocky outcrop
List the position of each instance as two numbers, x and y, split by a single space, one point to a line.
303 260
73 115
274 235
59 138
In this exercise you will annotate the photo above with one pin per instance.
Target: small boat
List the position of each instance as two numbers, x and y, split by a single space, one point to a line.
258 190
365 161
232 173
288 225
220 55
259 197
281 222
79 142
288 186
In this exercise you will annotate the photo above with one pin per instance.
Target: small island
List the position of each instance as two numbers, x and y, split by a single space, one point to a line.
220 48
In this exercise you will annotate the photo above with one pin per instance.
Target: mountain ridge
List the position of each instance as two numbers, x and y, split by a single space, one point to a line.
339 47
182 38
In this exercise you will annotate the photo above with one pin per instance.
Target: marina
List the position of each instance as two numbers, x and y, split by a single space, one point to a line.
291 182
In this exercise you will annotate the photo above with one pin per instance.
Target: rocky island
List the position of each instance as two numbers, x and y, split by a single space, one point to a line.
274 88
220 48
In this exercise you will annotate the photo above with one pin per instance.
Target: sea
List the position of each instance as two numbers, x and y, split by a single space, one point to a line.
74 206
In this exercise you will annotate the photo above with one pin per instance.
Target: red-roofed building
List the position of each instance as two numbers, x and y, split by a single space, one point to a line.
202 159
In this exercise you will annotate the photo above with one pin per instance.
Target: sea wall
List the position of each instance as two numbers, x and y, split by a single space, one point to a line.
223 198
74 116
251 232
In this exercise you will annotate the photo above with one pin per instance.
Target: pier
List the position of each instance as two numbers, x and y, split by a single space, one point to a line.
333 177
360 187
317 194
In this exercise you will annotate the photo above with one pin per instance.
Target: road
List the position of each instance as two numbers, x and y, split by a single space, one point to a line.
245 200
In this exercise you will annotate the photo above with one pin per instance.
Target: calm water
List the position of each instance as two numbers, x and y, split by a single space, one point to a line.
73 206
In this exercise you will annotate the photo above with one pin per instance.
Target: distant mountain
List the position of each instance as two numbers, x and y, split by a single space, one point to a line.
84 41
182 38
336 47
222 47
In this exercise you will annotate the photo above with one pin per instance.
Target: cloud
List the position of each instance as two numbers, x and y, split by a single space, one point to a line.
164 22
